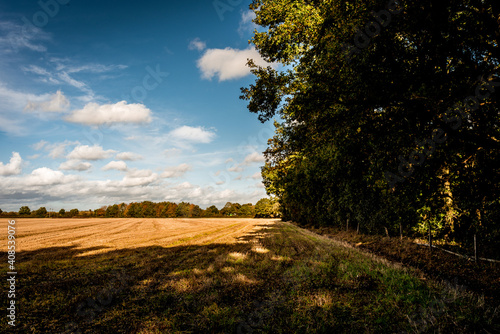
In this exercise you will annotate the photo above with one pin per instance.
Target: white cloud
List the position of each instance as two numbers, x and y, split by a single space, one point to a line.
253 157
256 176
129 156
38 146
120 112
197 44
75 83
228 63
45 187
13 102
45 176
57 103
17 36
13 167
57 150
92 68
85 152
45 76
138 177
192 134
116 165
177 171
235 168
246 24
75 165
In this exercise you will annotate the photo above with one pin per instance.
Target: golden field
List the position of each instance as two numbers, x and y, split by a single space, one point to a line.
103 235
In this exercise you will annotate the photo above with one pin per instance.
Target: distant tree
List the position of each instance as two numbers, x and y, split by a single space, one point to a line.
230 209
133 210
41 212
182 210
73 212
263 208
112 211
246 210
62 212
1 211
121 210
148 209
195 211
211 211
101 212
24 211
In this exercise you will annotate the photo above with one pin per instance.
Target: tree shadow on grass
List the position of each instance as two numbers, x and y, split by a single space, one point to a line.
186 288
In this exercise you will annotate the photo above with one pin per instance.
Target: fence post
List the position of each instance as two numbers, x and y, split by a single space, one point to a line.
347 225
430 238
357 229
401 231
475 248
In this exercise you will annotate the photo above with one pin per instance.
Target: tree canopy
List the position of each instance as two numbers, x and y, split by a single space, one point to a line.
386 112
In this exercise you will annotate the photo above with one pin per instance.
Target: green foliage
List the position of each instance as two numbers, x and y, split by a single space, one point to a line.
112 211
266 208
230 209
73 212
24 211
62 212
375 131
182 210
41 212
211 211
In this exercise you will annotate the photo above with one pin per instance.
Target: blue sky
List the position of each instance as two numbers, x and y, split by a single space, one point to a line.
105 102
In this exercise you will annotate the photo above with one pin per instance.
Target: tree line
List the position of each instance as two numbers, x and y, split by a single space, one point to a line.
387 113
264 208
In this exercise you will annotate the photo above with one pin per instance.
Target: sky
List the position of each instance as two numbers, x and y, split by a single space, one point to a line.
104 102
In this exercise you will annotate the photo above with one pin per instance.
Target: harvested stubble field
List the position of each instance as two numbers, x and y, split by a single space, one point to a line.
220 276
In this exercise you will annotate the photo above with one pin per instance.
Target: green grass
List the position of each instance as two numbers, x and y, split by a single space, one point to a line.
281 279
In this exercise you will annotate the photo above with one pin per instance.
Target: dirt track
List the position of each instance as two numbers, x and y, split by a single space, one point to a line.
118 233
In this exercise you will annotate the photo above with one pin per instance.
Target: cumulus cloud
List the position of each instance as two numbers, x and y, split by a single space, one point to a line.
85 152
228 63
129 156
75 165
13 167
120 112
197 44
192 135
56 103
116 165
177 171
45 177
138 177
44 187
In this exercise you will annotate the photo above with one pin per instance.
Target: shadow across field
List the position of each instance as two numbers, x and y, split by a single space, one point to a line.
277 279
